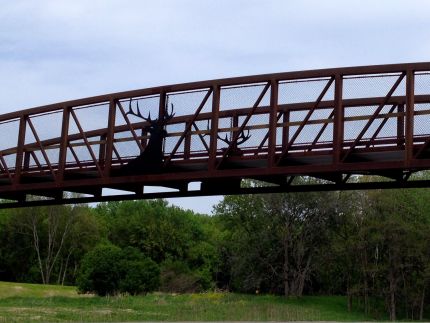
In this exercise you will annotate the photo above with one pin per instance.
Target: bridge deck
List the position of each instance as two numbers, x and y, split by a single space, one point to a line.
329 124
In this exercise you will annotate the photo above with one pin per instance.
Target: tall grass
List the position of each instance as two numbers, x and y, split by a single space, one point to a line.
37 303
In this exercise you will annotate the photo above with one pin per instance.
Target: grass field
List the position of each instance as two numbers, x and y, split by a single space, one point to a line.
38 303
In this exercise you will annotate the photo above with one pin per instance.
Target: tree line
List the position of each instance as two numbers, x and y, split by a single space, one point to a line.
371 246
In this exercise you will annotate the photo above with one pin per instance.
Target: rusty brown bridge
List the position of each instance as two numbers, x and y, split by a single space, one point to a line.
330 124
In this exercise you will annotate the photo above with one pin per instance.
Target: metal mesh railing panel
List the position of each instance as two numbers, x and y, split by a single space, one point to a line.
10 160
187 103
175 131
47 126
90 118
372 86
422 121
304 91
422 84
126 149
357 118
9 132
243 97
200 139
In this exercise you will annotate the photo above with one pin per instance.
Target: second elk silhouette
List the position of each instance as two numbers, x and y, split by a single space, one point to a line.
151 158
232 148
237 138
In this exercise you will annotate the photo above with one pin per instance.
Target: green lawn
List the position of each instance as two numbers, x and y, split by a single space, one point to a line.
28 302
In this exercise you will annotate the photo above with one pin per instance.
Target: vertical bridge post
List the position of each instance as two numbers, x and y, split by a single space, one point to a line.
20 149
108 146
214 127
409 127
63 144
338 126
272 122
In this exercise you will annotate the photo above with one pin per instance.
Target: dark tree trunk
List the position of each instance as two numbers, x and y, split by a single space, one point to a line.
349 294
302 277
392 301
286 269
423 295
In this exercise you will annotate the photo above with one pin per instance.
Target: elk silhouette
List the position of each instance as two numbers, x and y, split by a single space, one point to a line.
234 145
151 159
235 150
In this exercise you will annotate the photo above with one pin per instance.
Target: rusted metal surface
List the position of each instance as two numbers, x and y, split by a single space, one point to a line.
329 124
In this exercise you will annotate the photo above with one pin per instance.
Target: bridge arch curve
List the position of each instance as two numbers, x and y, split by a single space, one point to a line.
330 124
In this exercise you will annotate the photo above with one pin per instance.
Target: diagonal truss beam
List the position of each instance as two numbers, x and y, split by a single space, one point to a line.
381 125
323 128
188 126
375 114
42 149
5 167
236 134
75 156
84 137
266 136
306 119
129 124
202 138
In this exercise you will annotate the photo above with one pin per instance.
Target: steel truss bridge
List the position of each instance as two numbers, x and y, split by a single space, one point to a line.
331 124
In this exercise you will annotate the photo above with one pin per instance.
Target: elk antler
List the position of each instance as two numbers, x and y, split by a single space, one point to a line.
167 115
239 140
138 113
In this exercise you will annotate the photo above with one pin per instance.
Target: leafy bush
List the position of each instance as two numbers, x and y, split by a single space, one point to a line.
108 270
138 273
176 277
99 272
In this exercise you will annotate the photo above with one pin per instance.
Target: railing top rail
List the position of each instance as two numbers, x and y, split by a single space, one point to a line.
307 74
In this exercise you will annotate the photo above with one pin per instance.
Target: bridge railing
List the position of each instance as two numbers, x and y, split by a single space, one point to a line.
288 117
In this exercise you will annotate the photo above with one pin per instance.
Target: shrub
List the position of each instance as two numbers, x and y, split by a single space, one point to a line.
99 272
176 277
140 276
138 273
108 270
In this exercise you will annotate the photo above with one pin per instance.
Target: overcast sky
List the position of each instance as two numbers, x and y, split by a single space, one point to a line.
57 50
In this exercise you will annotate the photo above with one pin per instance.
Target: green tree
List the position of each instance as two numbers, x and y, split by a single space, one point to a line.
17 257
399 224
274 239
165 234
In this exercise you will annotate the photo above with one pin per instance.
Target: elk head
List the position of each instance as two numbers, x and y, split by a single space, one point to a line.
233 145
156 126
241 138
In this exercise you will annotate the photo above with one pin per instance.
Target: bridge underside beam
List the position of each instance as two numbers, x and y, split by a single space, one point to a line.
219 190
